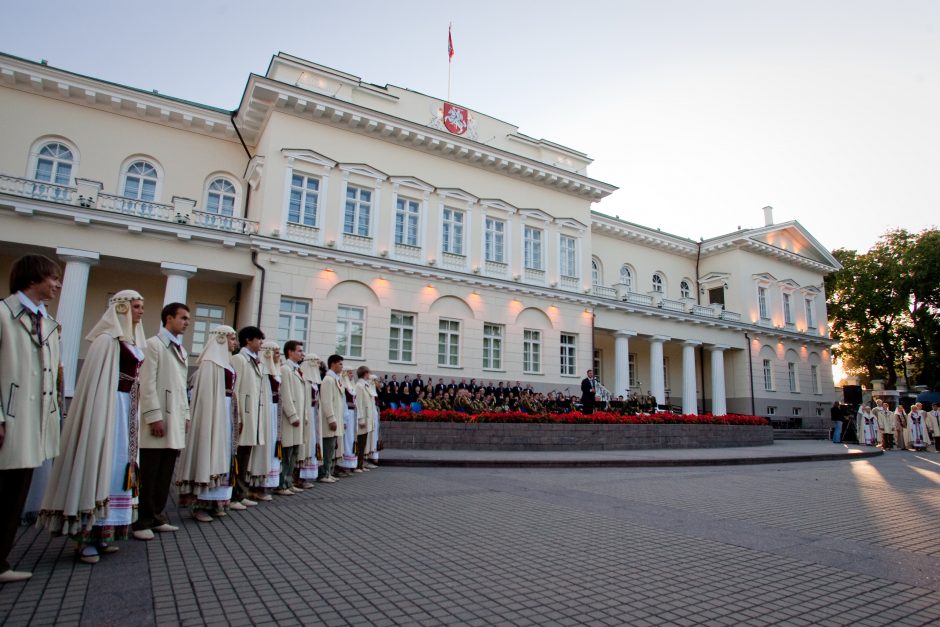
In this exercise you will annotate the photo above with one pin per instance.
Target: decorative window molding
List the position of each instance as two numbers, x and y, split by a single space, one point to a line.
141 179
53 159
222 194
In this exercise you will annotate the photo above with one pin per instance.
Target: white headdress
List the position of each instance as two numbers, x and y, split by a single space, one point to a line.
311 368
118 320
268 349
216 346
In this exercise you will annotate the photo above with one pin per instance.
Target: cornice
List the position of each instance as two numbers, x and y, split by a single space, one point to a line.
263 96
84 91
629 232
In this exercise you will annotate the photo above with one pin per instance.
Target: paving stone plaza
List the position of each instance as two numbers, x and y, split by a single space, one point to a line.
846 542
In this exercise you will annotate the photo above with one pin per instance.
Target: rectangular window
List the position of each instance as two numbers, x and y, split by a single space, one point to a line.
401 337
787 310
358 211
304 200
293 320
448 343
494 240
762 302
493 346
204 318
531 351
631 363
569 257
350 328
768 376
820 411
797 411
598 362
533 248
452 231
406 221
569 353
814 377
810 313
771 410
791 376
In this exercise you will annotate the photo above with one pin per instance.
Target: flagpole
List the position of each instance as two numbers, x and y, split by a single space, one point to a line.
450 57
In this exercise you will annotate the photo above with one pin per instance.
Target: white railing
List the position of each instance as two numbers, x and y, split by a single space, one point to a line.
604 292
635 298
731 316
569 282
672 305
226 223
495 268
139 208
406 251
531 274
453 262
36 189
357 242
702 310
302 233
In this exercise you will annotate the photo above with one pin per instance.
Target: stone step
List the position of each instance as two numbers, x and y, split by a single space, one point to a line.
801 434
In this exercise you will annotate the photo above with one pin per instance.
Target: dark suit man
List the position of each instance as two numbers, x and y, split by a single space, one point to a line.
588 392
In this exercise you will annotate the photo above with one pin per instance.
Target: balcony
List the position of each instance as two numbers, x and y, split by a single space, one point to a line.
731 316
672 305
496 269
453 261
635 298
702 310
358 243
61 194
604 292
407 252
534 275
302 233
569 283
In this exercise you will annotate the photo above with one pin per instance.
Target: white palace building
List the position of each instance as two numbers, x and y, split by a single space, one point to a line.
401 231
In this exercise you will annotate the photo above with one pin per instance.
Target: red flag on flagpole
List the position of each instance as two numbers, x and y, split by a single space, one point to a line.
450 45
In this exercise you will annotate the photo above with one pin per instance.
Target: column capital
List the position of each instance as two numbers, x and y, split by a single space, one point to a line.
624 333
74 254
659 338
718 347
691 342
169 268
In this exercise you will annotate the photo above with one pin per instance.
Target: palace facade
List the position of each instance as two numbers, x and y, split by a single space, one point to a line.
401 231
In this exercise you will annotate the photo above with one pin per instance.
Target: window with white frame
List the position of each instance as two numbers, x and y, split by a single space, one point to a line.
304 200
293 320
768 376
407 212
810 313
358 211
658 283
452 231
531 351
204 318
569 353
493 346
494 240
220 197
814 377
568 256
631 376
791 376
771 410
787 309
350 329
448 343
54 163
626 277
797 411
762 302
597 362
685 291
595 273
401 336
140 181
532 246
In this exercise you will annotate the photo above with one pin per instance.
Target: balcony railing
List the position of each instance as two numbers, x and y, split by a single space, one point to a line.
569 282
635 298
358 243
495 268
39 190
672 305
604 292
731 316
534 276
407 251
301 233
702 310
453 261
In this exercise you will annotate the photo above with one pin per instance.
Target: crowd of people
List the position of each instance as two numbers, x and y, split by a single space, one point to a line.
256 419
898 429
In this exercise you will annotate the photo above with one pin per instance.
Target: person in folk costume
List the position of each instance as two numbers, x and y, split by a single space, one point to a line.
933 425
309 462
30 407
95 477
365 414
295 409
867 426
332 406
251 409
917 428
265 465
205 479
347 464
164 416
372 442
885 418
901 427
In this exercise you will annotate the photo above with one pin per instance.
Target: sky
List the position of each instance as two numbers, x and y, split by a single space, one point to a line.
701 111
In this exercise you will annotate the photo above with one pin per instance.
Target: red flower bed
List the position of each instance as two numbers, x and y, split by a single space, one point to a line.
606 418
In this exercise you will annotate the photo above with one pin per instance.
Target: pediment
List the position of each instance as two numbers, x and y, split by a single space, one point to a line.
794 239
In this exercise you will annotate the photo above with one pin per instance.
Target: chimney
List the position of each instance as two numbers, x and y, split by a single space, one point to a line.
768 215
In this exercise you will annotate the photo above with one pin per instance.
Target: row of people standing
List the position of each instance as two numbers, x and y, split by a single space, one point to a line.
899 429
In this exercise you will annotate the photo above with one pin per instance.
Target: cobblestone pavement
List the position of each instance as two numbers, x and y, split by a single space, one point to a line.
851 542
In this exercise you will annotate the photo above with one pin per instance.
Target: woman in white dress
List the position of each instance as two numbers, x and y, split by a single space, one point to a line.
265 465
346 457
867 426
95 477
309 462
900 427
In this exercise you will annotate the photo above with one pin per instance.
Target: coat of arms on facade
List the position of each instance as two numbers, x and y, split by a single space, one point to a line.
453 119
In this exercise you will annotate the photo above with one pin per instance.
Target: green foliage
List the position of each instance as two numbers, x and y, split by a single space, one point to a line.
884 308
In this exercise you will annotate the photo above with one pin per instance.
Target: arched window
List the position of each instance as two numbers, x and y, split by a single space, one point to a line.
140 181
659 286
684 290
54 164
220 198
626 277
595 272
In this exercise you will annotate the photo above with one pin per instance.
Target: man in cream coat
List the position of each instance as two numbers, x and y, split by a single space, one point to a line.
29 380
251 402
164 418
332 408
294 410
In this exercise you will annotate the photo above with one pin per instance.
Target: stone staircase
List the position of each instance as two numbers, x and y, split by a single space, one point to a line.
801 434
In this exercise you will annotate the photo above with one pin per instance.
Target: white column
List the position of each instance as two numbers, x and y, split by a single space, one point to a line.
71 310
657 379
689 400
719 404
622 362
177 278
